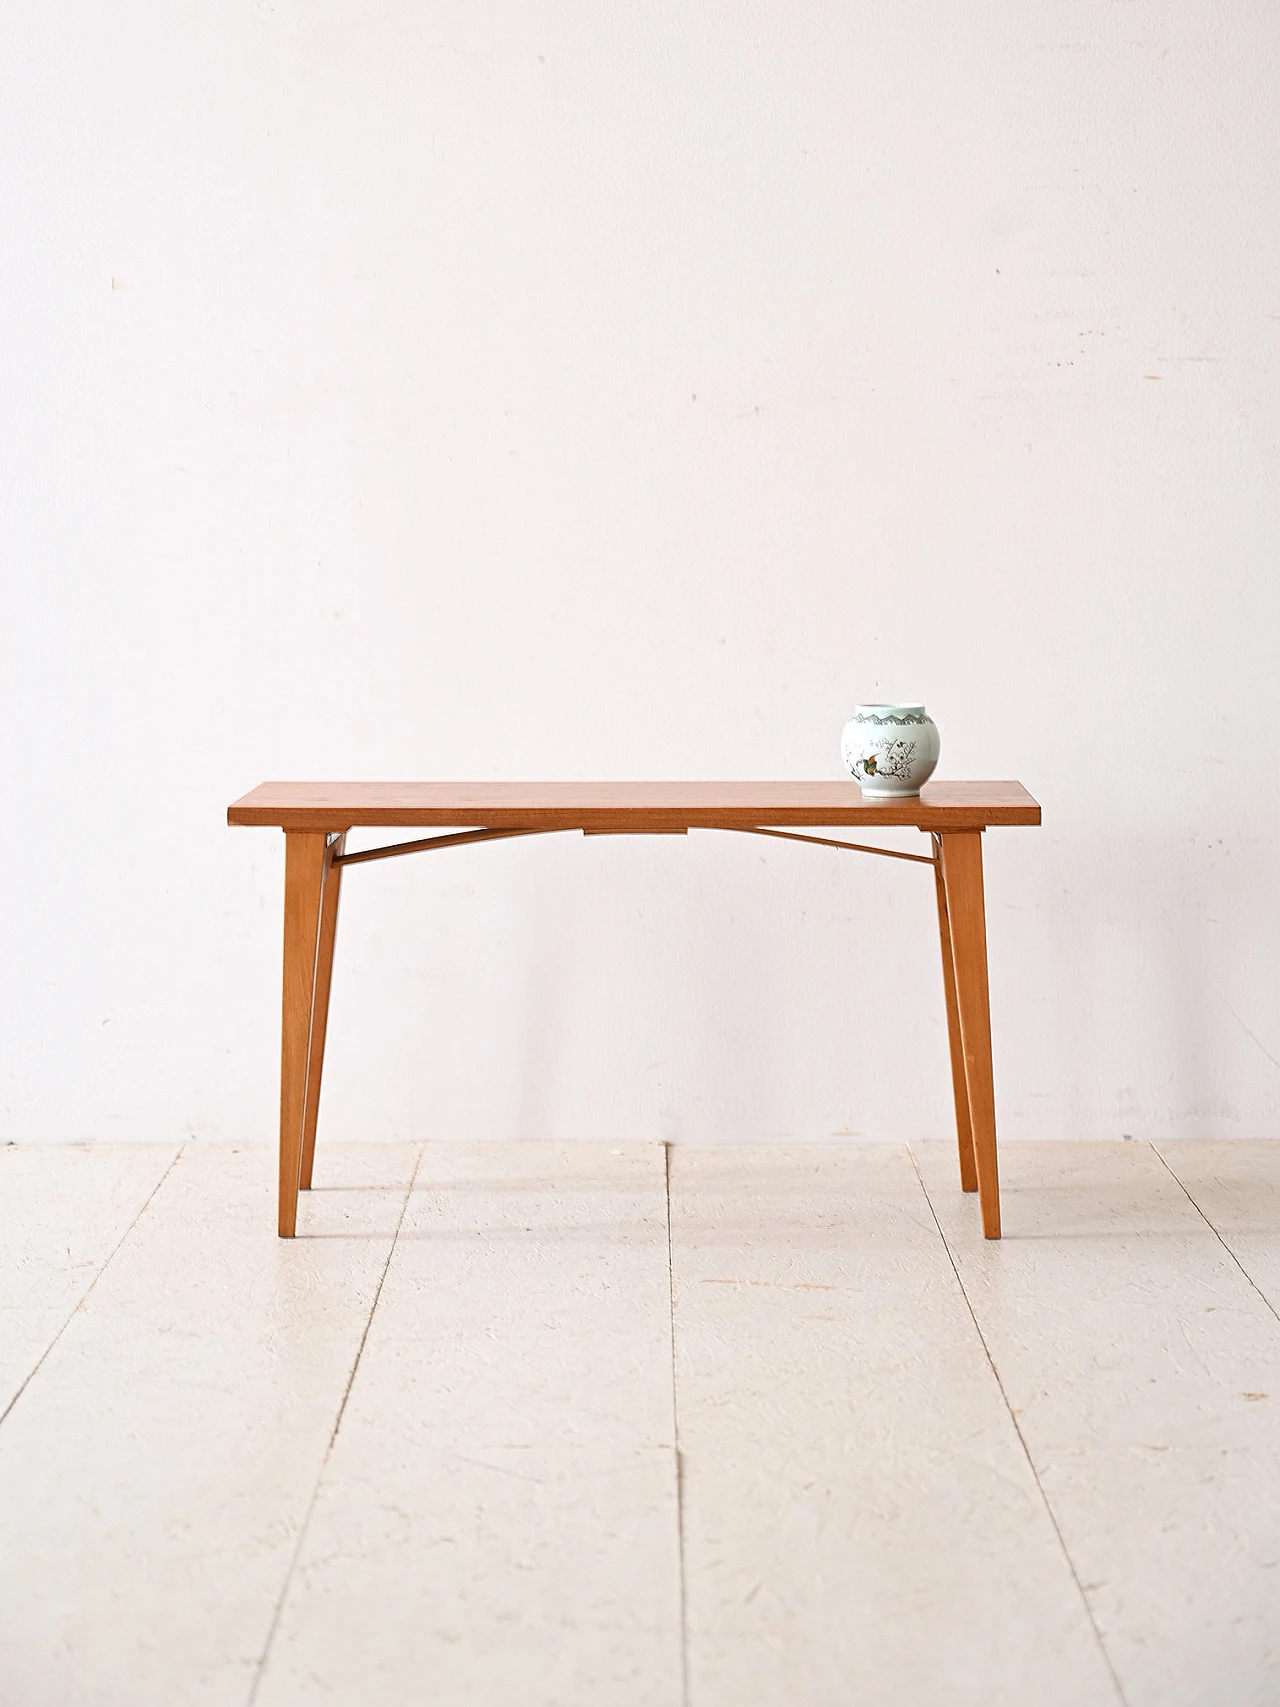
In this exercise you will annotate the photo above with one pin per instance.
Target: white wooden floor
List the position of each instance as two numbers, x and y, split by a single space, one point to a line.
593 1426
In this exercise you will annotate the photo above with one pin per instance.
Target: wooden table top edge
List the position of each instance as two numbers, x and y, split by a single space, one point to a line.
259 810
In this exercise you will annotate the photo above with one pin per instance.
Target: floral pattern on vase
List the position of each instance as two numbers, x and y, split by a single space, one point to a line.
890 750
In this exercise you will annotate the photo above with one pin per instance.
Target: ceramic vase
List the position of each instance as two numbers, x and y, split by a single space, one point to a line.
890 750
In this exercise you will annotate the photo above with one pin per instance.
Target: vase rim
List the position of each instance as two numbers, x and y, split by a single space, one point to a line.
889 705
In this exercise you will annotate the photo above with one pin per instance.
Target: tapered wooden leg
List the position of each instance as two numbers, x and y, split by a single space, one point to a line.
959 1088
320 1007
304 862
966 913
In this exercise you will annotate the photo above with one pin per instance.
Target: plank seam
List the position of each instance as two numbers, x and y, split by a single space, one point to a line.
675 1441
1217 1235
305 1525
83 1299
1022 1439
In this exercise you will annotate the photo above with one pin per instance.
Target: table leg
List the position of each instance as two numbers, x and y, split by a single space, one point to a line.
959 1089
966 914
320 1006
304 869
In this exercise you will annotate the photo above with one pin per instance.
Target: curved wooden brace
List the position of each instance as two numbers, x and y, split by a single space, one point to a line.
463 837
459 840
828 842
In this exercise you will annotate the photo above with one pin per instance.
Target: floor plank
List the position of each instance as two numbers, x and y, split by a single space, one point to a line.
1134 1351
1236 1186
63 1209
156 1471
860 1520
498 1514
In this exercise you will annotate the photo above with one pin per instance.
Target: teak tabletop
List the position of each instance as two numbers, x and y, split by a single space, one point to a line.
601 805
315 817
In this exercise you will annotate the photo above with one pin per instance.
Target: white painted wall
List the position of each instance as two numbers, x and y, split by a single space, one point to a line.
529 389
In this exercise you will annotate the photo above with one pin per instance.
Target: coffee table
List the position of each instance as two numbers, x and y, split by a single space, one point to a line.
316 816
